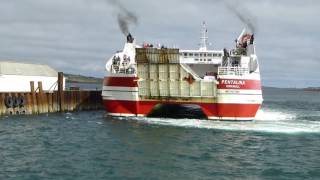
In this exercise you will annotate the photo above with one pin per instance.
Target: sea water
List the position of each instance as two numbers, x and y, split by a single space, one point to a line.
282 143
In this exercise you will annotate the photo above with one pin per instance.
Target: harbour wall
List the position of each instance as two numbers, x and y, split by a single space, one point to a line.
38 101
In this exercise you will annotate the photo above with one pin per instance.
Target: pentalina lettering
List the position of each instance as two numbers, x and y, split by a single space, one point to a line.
233 82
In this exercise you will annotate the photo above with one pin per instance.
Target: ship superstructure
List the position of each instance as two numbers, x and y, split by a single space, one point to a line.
225 84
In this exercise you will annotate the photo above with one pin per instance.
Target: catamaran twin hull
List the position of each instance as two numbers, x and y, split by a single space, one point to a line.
224 84
121 98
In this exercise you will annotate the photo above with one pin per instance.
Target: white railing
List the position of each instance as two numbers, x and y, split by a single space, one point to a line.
237 71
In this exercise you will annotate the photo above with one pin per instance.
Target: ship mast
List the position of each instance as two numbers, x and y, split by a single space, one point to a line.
204 37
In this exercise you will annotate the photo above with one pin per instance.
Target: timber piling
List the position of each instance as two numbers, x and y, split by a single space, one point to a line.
38 101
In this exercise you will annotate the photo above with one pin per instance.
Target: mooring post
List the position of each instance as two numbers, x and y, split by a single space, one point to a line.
2 104
34 99
60 91
40 98
40 86
32 87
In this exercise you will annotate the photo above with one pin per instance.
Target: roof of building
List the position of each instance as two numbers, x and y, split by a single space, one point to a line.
26 69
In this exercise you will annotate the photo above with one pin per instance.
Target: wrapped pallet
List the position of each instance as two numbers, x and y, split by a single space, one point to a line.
207 88
163 56
174 88
163 71
143 71
141 56
195 89
154 88
173 56
153 55
185 88
153 71
144 89
174 72
164 88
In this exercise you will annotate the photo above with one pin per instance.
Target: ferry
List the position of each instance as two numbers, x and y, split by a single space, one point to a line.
225 84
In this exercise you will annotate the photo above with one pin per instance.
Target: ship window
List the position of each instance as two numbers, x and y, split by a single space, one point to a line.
209 59
209 55
204 55
190 54
200 59
200 55
196 59
185 54
196 54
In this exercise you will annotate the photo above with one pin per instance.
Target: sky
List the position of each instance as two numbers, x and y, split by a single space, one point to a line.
78 36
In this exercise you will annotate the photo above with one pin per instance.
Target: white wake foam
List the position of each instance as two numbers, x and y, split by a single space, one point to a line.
271 115
266 121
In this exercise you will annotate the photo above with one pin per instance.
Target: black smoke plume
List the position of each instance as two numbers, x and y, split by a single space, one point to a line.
243 14
124 16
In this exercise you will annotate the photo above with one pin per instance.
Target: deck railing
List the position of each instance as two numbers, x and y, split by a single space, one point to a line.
238 71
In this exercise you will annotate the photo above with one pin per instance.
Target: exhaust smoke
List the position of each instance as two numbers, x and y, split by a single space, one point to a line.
243 14
124 16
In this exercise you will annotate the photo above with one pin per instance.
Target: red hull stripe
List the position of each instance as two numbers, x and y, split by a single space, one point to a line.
237 110
243 84
121 81
210 109
117 106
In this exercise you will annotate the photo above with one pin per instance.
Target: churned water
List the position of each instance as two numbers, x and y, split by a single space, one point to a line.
283 143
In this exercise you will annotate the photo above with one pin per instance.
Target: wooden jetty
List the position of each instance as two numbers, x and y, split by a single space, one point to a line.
38 101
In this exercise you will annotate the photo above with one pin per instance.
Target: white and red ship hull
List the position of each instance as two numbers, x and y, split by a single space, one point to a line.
224 84
237 99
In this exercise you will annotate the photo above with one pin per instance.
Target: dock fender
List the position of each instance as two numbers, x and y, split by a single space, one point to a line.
8 101
16 101
22 101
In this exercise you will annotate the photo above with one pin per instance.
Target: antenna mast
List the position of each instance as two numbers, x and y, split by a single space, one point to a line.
204 37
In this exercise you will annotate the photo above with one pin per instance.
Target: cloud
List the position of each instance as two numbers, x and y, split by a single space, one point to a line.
78 36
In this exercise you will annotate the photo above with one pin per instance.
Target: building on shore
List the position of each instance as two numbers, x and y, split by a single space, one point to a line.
16 76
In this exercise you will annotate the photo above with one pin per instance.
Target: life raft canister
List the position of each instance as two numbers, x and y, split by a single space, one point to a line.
8 101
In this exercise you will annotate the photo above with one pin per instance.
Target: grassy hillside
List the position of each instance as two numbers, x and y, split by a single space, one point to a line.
71 78
312 89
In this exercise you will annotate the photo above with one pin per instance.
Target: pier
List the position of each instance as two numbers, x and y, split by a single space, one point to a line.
38 101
